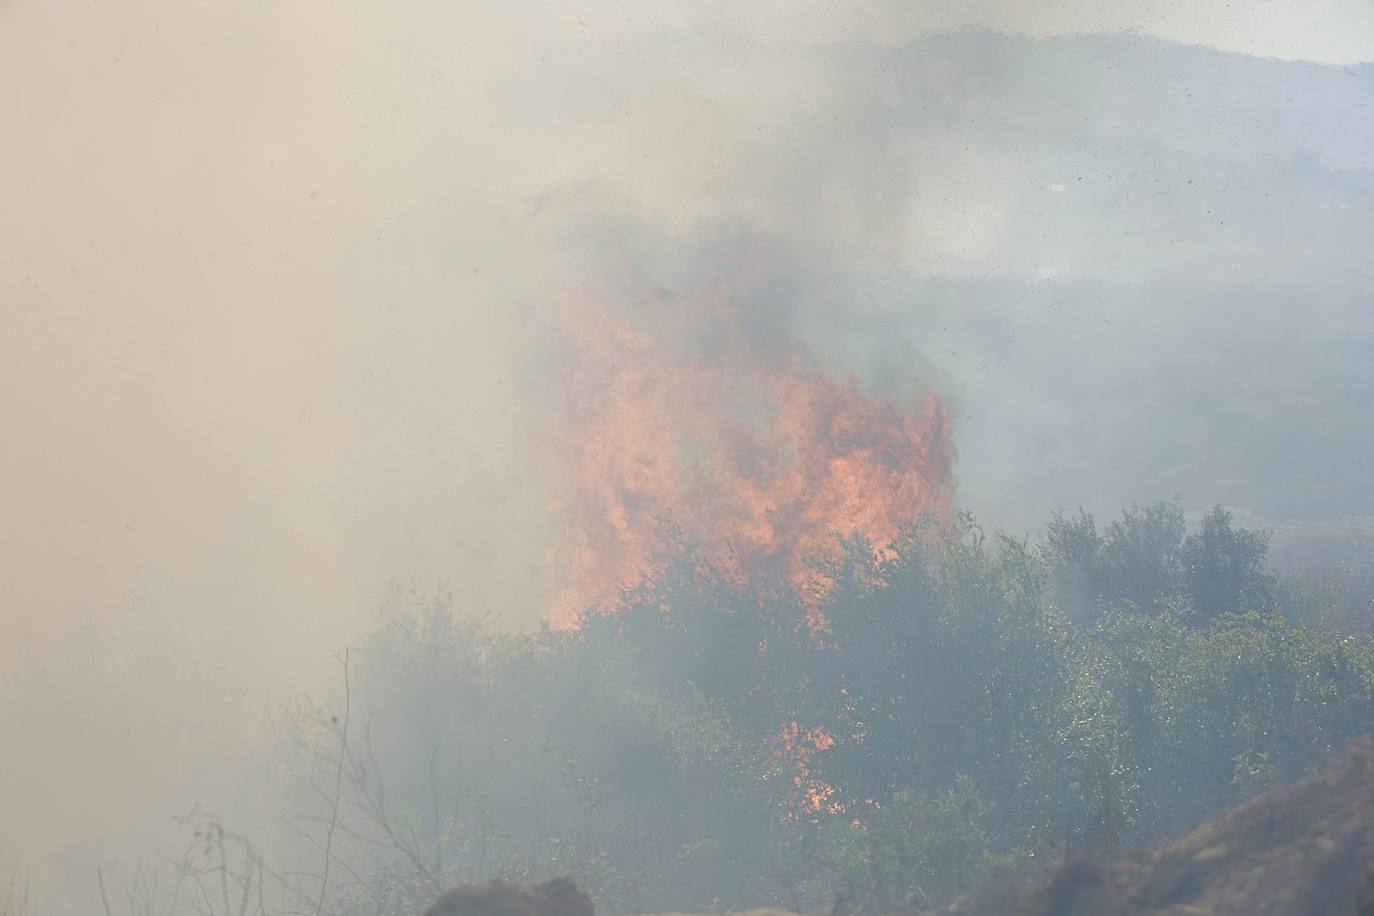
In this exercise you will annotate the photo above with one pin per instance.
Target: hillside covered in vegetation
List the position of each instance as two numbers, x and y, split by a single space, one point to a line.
968 707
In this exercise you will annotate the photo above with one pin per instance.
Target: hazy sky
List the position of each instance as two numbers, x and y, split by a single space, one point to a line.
274 275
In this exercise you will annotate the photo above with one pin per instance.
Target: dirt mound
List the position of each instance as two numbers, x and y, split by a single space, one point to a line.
1295 850
559 897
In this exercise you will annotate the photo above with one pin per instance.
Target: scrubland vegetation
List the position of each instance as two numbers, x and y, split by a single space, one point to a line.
971 704
961 707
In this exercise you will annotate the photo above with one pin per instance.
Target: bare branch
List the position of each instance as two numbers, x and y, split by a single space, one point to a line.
338 786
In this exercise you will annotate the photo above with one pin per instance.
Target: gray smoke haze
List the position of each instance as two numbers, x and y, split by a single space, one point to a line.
275 279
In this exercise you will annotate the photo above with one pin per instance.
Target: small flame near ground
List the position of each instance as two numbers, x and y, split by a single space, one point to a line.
798 746
694 417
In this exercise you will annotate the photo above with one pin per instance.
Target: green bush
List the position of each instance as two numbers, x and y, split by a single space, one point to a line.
703 748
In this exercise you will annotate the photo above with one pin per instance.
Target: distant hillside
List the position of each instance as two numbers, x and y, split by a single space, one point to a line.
1138 267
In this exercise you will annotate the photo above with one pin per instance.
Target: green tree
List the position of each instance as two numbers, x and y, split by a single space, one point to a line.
1142 555
1073 555
1224 568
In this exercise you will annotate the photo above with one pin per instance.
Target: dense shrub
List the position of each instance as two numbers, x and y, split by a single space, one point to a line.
704 747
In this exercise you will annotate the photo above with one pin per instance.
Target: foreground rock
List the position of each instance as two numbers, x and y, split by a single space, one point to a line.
559 897
1300 849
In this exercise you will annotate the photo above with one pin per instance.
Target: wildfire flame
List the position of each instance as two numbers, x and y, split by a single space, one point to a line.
798 747
691 415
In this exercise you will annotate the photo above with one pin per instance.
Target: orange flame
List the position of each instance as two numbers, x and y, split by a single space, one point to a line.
798 747
688 417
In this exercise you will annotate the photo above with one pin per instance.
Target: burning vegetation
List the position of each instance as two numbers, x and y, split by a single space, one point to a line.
701 749
689 421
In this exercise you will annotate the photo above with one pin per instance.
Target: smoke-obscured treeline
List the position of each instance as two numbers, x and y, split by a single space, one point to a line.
974 706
